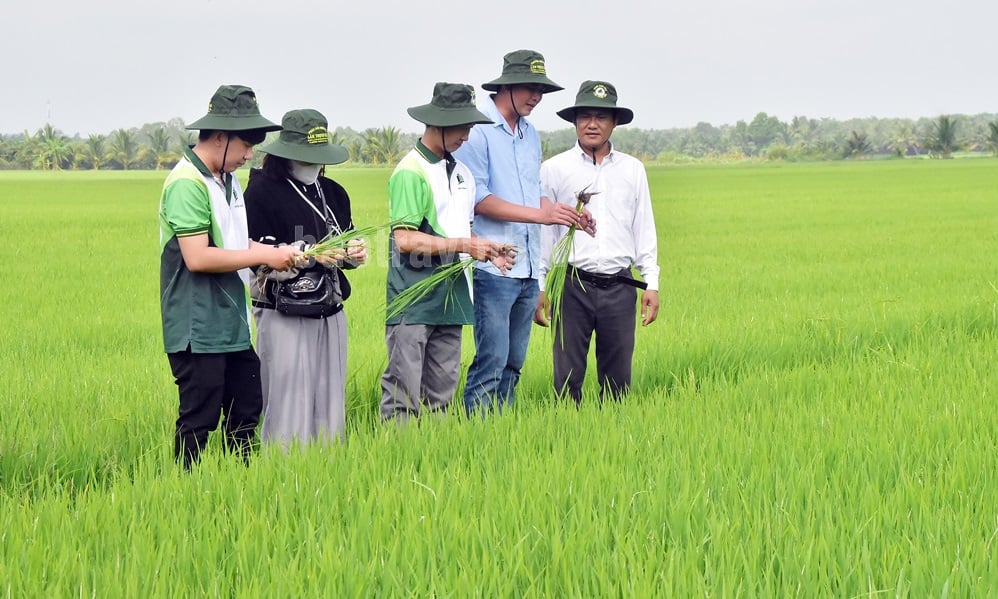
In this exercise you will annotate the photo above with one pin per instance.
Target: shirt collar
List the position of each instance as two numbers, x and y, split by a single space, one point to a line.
432 158
426 153
589 157
490 110
204 170
196 161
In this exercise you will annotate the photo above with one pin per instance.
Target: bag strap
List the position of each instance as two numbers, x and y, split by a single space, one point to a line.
326 215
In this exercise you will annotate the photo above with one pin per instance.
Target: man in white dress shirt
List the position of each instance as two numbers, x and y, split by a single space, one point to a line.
600 294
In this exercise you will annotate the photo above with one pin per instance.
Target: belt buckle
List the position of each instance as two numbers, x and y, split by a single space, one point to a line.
600 281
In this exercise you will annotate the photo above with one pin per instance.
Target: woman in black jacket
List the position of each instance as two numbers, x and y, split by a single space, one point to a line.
302 336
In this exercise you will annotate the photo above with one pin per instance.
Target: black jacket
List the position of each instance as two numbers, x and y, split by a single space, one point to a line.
276 214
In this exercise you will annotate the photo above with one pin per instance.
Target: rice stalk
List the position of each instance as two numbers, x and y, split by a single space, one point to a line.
554 285
341 240
445 273
412 294
333 242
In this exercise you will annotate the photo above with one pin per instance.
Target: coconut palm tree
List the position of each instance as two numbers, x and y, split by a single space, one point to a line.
123 148
356 149
25 151
993 137
53 150
941 140
904 141
7 150
382 146
158 152
857 145
338 137
91 152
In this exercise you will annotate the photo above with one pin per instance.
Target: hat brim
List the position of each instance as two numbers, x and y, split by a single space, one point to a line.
624 115
435 116
522 79
312 154
218 122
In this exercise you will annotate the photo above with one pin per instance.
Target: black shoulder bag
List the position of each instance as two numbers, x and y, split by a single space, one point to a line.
314 293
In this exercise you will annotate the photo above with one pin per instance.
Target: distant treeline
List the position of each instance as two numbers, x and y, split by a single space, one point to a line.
805 139
159 145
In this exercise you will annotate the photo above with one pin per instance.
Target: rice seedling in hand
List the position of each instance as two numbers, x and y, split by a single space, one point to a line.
337 242
333 247
554 286
444 274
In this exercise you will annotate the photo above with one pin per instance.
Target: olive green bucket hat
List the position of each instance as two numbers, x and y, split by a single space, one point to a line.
305 138
523 67
597 94
453 104
233 108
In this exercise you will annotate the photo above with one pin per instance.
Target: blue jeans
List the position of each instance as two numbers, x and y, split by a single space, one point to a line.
504 313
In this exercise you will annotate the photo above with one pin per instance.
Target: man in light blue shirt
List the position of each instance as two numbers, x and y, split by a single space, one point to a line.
505 158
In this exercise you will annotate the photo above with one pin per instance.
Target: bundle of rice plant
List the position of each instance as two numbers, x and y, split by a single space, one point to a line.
339 241
445 273
554 285
335 242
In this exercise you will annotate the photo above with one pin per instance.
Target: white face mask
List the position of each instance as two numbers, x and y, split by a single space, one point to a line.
305 173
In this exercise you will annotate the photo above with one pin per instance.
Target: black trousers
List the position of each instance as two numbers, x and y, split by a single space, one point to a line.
210 386
609 312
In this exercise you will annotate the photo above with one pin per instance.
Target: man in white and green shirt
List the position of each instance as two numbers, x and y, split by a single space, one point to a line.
432 195
205 256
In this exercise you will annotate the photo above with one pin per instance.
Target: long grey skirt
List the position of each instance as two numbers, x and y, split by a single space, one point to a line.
303 364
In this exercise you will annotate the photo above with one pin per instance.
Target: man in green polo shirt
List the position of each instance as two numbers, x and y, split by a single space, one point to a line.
205 258
433 196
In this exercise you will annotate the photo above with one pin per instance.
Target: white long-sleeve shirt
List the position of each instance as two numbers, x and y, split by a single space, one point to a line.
625 226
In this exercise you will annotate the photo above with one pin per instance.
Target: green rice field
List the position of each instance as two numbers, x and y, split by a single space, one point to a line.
814 414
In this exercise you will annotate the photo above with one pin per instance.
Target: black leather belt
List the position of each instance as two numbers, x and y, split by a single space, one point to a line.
603 281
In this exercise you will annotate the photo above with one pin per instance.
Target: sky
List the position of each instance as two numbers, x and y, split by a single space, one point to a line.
94 67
